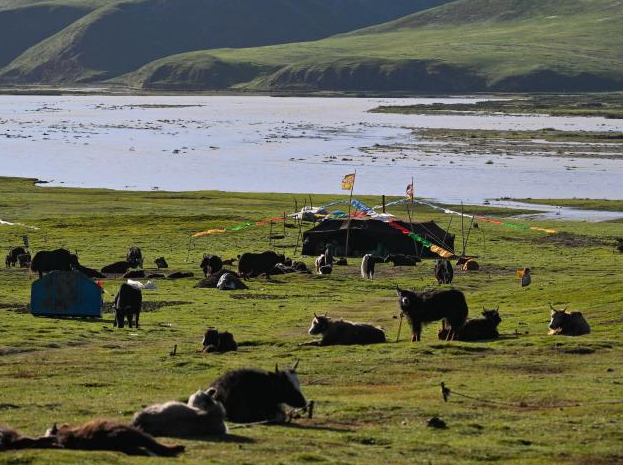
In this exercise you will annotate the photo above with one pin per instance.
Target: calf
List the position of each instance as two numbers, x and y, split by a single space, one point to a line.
444 271
251 395
320 262
425 307
367 266
342 332
215 341
477 329
134 257
11 439
568 324
127 304
89 272
110 435
326 269
211 264
161 263
179 420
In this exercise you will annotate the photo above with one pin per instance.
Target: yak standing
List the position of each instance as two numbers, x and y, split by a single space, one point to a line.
134 257
127 305
254 264
13 255
425 307
45 261
367 266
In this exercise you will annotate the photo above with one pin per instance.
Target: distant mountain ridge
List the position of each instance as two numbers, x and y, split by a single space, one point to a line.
462 46
70 41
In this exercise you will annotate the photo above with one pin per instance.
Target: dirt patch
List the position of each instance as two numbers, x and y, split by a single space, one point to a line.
154 306
571 240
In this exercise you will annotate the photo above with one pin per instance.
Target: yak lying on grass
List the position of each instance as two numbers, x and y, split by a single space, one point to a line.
211 264
425 307
477 329
110 435
216 341
11 439
250 395
568 324
254 264
402 260
116 268
230 282
127 305
45 261
340 332
179 420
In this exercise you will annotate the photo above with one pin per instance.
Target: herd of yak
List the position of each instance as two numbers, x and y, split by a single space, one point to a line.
249 395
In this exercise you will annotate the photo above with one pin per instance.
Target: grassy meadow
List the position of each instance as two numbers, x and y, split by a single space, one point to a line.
555 399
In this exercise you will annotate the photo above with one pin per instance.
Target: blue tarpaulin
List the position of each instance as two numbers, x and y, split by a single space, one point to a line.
66 293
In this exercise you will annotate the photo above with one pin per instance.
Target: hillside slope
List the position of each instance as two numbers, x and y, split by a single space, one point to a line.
119 37
464 46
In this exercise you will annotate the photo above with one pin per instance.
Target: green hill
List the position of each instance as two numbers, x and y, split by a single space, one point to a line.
464 46
81 42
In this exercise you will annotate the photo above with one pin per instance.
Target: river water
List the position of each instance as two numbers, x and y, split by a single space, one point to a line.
277 144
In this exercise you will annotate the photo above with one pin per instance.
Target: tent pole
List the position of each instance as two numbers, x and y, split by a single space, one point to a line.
384 204
468 233
462 231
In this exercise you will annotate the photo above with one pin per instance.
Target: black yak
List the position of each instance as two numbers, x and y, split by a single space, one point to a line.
568 324
116 268
211 264
24 260
134 274
161 263
477 329
300 267
250 395
402 260
254 264
179 420
11 439
89 272
127 304
367 266
444 271
180 275
215 341
424 307
12 256
134 257
60 259
342 332
110 435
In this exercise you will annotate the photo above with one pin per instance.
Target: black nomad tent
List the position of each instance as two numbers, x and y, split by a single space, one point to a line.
375 237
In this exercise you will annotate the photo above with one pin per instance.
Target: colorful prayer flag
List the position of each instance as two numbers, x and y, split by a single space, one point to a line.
348 182
409 191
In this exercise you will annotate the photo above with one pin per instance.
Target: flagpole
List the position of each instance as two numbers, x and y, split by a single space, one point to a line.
350 201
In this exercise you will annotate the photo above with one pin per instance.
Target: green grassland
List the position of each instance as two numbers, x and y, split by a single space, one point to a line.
559 398
463 46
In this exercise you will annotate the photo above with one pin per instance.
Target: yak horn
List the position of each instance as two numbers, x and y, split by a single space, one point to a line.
315 316
296 364
552 307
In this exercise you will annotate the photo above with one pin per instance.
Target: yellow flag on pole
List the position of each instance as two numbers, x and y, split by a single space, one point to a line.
348 182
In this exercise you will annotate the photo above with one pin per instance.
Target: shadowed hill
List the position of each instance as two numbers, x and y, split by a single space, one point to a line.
464 46
119 37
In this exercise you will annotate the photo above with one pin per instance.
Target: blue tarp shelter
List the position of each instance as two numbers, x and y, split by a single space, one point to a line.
66 293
